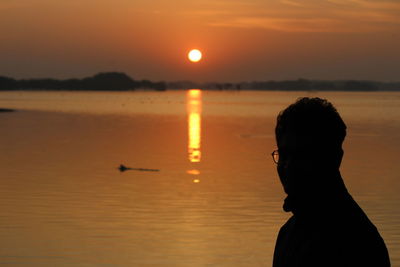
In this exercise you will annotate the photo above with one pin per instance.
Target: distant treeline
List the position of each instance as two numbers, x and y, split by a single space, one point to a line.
118 81
108 81
293 85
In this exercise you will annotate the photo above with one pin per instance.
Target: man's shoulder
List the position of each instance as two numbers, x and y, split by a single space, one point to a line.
343 233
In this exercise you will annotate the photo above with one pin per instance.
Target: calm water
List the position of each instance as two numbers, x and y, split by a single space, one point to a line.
216 200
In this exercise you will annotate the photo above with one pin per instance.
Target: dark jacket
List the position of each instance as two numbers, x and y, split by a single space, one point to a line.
328 230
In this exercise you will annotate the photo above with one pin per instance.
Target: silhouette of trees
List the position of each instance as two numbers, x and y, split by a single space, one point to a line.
119 81
8 83
293 85
360 86
107 81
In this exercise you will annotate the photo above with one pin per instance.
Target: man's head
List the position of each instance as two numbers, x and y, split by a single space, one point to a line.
309 135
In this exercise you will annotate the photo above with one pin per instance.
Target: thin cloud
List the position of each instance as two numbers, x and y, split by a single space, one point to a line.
328 16
13 5
292 3
295 25
371 17
211 12
381 5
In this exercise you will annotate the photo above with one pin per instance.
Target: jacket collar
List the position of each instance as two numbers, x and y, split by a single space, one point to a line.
316 200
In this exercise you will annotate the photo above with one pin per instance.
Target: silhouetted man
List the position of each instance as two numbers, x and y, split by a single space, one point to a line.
327 228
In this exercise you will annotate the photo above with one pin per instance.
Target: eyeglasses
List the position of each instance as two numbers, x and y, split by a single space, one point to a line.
275 156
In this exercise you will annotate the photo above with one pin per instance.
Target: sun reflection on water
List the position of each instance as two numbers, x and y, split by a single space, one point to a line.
194 129
193 172
194 124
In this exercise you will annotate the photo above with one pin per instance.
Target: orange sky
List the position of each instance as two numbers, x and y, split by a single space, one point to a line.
241 40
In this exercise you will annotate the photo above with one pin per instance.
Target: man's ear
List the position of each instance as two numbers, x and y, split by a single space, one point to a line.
332 159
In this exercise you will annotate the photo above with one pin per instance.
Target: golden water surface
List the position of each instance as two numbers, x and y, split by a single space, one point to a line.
216 200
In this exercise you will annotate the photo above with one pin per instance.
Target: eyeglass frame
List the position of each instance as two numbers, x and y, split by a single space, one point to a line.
275 156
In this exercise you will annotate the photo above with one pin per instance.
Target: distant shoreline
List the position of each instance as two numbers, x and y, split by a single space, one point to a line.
6 110
107 81
295 85
118 81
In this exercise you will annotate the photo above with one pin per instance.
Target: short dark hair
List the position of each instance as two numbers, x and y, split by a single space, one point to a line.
315 118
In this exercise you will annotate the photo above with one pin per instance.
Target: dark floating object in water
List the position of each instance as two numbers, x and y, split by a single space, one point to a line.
6 110
123 168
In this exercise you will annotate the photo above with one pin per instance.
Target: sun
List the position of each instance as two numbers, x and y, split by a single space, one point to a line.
194 55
